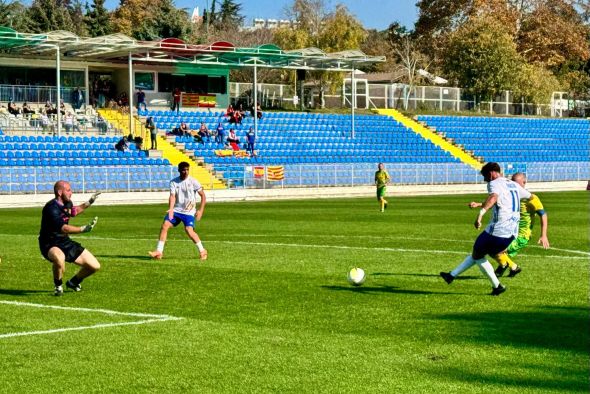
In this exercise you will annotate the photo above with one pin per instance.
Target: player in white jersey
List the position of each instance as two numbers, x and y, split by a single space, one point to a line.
182 208
504 199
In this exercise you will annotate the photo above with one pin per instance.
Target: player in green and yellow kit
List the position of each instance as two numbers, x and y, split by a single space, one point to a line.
381 180
528 208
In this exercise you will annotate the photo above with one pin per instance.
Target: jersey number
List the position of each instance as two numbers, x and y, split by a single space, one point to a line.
515 201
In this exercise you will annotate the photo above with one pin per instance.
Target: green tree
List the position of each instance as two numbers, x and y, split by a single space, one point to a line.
97 19
482 58
49 15
151 21
229 14
534 84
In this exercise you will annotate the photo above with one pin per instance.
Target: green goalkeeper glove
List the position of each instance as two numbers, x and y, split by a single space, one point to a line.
88 228
93 198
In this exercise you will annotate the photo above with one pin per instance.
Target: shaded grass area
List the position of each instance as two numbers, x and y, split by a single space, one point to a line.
271 309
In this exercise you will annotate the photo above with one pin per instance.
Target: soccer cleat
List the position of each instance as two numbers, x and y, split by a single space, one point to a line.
500 270
385 206
514 272
447 277
498 290
203 254
59 291
156 254
382 210
72 286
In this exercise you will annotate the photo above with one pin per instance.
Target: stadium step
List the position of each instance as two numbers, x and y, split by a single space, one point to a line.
433 137
202 174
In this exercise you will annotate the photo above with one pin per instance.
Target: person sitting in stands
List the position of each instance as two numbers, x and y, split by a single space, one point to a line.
68 122
184 130
258 112
242 111
101 124
233 140
49 109
122 145
230 112
27 109
62 107
204 133
12 108
235 118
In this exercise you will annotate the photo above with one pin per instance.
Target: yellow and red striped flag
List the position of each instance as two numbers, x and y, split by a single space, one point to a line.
275 173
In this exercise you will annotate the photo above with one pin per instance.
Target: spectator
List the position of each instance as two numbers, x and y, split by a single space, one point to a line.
12 108
122 145
141 100
27 109
184 130
151 126
101 124
68 122
220 136
233 140
250 137
258 112
176 96
242 112
46 126
49 109
229 112
77 98
204 133
235 118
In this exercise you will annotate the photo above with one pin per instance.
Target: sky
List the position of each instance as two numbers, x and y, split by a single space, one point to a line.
373 14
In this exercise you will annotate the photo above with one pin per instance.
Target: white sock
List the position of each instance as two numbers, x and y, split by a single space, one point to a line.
200 246
160 246
464 266
487 269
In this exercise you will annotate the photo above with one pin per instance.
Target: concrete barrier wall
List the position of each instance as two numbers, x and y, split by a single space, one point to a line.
28 200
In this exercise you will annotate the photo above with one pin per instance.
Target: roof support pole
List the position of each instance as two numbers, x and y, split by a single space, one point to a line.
255 98
58 85
352 99
130 96
87 87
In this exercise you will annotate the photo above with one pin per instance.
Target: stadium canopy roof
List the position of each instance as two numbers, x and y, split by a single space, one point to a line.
117 48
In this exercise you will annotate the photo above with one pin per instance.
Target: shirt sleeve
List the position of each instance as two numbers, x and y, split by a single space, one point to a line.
522 192
172 188
535 202
198 187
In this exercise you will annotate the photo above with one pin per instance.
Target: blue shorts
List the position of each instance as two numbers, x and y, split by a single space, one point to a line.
188 220
490 245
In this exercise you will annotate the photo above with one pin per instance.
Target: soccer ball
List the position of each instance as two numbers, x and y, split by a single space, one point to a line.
356 276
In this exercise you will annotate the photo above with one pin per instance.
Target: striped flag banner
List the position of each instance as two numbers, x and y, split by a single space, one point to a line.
275 173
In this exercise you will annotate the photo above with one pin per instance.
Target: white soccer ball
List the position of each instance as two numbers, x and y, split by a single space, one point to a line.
356 276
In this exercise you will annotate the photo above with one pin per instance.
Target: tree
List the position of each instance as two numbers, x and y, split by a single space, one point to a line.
482 57
410 61
229 14
152 21
12 14
78 19
97 19
534 84
49 15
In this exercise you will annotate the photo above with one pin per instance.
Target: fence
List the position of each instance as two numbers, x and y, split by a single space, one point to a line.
34 180
35 94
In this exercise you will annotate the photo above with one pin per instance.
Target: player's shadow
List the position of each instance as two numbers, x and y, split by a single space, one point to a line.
20 292
423 275
381 289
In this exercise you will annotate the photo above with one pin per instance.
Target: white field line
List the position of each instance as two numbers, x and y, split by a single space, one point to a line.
154 319
346 247
384 249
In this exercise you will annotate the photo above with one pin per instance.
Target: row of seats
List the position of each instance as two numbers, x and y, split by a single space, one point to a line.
55 138
78 162
82 154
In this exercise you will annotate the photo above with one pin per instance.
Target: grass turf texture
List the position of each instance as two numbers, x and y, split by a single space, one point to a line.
271 309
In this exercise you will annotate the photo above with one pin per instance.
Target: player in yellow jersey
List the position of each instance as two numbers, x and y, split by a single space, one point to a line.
381 180
528 208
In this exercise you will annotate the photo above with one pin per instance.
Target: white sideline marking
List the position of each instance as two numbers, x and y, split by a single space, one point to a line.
154 319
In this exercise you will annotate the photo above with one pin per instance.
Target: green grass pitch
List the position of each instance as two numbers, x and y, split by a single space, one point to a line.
271 310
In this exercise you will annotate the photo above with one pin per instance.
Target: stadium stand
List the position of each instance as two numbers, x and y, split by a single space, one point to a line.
306 138
31 164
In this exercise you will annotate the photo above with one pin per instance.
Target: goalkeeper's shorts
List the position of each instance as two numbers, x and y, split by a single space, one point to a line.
71 249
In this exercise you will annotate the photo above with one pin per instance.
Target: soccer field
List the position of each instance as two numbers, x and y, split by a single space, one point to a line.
271 310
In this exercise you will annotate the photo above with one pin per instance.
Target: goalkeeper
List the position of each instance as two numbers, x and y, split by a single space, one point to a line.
55 243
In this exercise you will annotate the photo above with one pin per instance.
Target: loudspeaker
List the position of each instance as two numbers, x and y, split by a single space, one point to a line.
301 75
